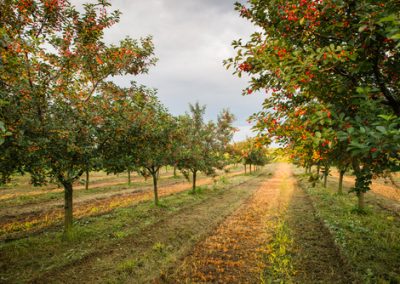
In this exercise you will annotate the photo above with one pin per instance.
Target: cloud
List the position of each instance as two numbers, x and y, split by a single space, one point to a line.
191 39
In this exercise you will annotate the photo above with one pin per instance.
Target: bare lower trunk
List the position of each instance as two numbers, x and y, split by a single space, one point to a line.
318 169
194 181
250 167
129 177
174 171
87 180
326 178
245 169
340 189
154 174
68 216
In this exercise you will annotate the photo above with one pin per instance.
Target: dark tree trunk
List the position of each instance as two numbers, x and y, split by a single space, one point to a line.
250 167
175 171
68 210
154 174
87 180
194 181
318 169
363 180
341 175
326 173
245 169
129 177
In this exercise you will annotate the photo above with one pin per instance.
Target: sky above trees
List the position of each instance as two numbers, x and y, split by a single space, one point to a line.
191 39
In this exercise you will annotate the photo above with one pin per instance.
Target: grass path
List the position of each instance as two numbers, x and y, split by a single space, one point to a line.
273 236
252 229
316 258
231 254
148 252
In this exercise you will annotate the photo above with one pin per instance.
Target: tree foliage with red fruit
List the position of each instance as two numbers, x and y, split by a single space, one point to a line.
53 63
341 56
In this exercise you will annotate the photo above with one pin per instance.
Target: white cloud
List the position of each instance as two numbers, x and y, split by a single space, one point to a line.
191 39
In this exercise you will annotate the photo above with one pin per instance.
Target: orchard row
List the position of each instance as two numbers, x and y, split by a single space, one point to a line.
330 70
61 116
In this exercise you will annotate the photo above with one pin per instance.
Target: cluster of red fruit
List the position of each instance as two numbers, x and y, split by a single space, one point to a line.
245 66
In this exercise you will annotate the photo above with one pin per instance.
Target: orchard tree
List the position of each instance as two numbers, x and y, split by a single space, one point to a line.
251 152
121 125
156 145
328 52
53 63
203 145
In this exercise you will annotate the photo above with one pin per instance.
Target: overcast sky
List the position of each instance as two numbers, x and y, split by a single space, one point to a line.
191 38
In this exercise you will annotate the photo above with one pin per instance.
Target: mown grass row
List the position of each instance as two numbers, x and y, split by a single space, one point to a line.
370 243
278 251
27 259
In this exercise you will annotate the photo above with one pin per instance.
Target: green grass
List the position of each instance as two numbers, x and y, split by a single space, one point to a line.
370 242
278 256
48 196
26 259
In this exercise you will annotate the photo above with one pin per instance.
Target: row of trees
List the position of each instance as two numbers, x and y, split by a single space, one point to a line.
249 153
331 72
61 116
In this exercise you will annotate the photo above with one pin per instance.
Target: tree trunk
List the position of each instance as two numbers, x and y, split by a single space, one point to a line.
194 181
340 189
250 168
245 169
361 202
87 180
166 169
326 173
154 174
68 215
318 169
129 177
175 171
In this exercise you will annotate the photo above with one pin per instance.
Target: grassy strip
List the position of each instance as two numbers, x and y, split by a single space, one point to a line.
48 196
278 252
370 243
27 259
59 195
278 256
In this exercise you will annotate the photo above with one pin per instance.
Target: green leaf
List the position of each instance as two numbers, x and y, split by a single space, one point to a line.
381 129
